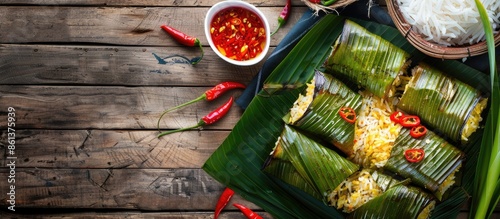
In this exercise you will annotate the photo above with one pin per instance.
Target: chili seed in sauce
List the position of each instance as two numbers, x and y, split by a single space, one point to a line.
238 33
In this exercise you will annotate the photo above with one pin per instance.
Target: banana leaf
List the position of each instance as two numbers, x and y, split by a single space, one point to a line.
319 166
302 162
330 95
300 67
238 160
284 170
367 59
448 101
397 202
441 159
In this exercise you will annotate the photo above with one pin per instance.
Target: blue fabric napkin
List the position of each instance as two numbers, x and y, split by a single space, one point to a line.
360 10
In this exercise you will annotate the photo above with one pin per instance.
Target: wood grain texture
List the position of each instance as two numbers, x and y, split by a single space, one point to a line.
115 65
82 149
88 91
140 189
109 107
165 3
226 214
113 25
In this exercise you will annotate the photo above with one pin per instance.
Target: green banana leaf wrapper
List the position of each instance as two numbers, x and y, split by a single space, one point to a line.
399 201
317 170
367 60
319 166
322 118
238 161
441 161
442 102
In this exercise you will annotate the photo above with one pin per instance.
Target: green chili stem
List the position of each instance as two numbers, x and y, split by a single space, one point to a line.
178 130
202 97
327 3
199 58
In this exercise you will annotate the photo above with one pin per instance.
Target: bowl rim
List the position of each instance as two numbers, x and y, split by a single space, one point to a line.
236 3
433 49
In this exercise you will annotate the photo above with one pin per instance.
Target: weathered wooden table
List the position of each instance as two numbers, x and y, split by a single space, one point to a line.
83 84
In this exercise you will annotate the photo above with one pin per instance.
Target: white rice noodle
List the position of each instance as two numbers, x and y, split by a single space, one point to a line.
449 23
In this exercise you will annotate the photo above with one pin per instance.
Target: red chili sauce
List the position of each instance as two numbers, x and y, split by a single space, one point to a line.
238 33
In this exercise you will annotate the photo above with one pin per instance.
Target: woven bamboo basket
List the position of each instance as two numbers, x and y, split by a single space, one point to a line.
329 8
430 48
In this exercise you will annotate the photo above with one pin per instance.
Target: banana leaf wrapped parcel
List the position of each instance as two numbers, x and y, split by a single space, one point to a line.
445 103
317 111
379 67
321 172
367 60
311 160
373 140
381 143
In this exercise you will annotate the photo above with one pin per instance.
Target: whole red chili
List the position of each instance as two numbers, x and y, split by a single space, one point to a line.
418 131
210 118
209 95
396 116
410 121
247 211
285 13
223 200
348 114
184 39
414 155
315 1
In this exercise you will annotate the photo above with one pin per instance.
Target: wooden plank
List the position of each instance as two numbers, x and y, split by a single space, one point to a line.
164 3
110 25
226 214
109 107
79 149
139 189
115 65
165 215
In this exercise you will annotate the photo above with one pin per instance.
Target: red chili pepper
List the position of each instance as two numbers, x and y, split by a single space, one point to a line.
414 155
184 39
247 211
410 121
418 131
223 200
315 1
210 118
209 95
348 114
285 13
396 116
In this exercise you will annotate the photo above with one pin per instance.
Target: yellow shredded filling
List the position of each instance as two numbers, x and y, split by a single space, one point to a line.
426 212
354 192
472 123
375 133
302 103
447 183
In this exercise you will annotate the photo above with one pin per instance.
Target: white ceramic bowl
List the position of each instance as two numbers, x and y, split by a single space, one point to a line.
237 3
